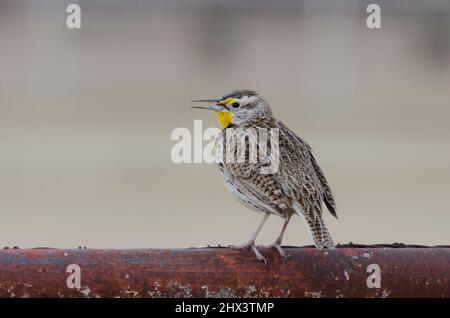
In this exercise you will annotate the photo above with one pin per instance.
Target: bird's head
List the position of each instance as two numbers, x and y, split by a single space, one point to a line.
238 107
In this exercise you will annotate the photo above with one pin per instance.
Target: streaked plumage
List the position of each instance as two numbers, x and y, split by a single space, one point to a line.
298 187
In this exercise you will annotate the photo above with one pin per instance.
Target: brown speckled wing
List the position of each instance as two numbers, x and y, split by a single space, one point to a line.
265 186
301 177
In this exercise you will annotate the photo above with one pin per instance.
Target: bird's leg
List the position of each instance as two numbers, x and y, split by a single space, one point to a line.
252 239
277 243
251 242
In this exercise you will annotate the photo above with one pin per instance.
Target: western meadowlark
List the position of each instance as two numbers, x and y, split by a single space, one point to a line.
297 187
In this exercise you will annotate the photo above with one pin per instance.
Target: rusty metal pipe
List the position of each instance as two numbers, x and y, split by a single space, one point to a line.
215 272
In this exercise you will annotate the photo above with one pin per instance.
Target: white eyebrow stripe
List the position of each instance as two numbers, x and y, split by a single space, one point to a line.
246 100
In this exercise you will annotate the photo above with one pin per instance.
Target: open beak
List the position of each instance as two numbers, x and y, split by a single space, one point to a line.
214 107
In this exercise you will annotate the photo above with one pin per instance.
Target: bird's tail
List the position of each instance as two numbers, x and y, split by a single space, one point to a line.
317 228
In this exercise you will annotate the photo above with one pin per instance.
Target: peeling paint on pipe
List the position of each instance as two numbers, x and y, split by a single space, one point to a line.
221 272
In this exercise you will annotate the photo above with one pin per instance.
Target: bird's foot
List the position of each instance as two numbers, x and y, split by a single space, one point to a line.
277 246
250 246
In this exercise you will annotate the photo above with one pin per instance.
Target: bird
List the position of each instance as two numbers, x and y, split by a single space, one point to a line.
298 187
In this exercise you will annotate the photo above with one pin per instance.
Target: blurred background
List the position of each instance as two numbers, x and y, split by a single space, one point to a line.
86 117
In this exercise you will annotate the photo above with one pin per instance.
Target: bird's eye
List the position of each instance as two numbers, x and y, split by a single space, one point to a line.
235 105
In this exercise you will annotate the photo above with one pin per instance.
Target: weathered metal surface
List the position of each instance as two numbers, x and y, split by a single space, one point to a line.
221 272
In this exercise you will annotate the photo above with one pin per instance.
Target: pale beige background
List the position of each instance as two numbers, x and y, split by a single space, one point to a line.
86 117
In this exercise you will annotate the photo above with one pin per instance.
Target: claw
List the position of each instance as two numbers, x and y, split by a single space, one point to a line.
279 249
250 246
258 255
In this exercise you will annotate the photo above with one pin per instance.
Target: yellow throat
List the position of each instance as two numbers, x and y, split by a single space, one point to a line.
224 118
